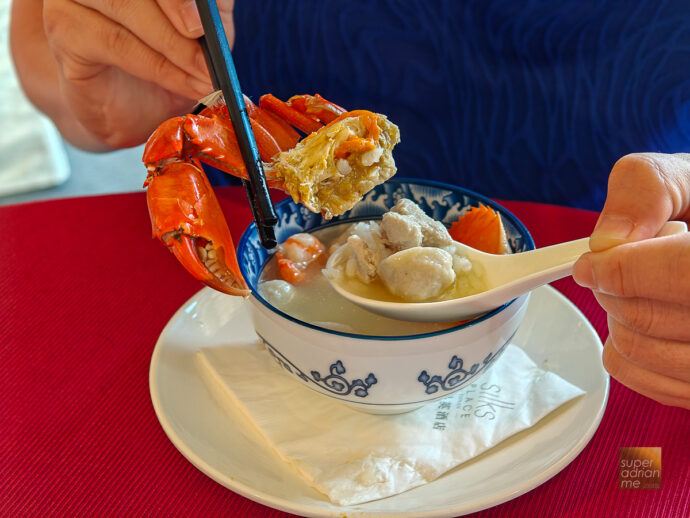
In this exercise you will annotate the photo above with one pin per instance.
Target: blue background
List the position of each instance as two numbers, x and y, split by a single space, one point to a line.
515 100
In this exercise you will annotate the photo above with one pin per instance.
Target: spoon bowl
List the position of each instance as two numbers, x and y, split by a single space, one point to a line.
505 276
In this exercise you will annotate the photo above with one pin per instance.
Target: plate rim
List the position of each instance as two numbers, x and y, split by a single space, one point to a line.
291 506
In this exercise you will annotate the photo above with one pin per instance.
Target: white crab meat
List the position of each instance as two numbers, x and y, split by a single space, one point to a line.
368 250
400 231
370 157
402 220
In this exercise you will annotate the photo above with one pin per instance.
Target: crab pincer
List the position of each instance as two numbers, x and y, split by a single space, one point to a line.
186 217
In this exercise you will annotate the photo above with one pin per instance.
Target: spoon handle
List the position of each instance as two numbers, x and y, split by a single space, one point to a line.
543 265
550 263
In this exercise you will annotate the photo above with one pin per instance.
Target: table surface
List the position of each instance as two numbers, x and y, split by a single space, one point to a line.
85 293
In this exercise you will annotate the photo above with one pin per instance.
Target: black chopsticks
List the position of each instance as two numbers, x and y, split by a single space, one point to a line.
224 76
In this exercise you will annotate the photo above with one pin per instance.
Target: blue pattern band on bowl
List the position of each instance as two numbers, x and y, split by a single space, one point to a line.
334 382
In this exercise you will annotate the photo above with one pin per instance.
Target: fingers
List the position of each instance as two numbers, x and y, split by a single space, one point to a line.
661 388
648 317
657 269
183 14
667 357
84 42
642 283
127 118
140 30
645 190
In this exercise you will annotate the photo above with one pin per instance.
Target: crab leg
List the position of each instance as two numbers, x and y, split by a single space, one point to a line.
209 139
316 107
271 135
282 132
289 114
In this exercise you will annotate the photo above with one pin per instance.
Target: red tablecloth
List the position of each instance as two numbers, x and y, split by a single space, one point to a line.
84 294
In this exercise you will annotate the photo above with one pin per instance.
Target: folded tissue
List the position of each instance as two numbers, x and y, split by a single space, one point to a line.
353 457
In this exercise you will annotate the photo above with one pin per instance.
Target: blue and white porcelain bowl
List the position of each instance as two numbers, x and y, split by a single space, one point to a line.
383 374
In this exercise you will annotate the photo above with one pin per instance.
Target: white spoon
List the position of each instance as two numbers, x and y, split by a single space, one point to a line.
506 277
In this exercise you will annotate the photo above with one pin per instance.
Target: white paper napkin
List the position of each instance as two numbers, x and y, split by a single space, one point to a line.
353 457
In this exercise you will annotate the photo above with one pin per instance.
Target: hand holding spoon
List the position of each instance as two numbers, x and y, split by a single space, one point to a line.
506 277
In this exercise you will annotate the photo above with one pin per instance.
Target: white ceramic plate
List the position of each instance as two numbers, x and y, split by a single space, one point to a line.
554 333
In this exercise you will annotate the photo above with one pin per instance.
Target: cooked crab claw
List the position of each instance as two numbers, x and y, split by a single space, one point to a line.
187 218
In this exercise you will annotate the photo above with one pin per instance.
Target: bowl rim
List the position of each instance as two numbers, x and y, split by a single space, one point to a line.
529 242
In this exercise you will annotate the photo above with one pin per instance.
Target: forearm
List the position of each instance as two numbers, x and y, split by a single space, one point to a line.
38 73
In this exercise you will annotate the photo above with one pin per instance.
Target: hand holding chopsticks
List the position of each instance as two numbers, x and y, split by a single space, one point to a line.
224 76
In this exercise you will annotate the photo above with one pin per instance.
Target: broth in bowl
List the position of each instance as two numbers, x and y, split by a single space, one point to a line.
314 300
406 256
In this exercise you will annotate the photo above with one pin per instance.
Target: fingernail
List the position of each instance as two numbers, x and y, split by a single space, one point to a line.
583 274
611 230
190 17
202 88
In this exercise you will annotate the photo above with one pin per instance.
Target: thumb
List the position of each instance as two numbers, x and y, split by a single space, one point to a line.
645 190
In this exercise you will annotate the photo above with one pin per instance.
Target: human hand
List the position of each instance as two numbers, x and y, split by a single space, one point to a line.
644 284
123 67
